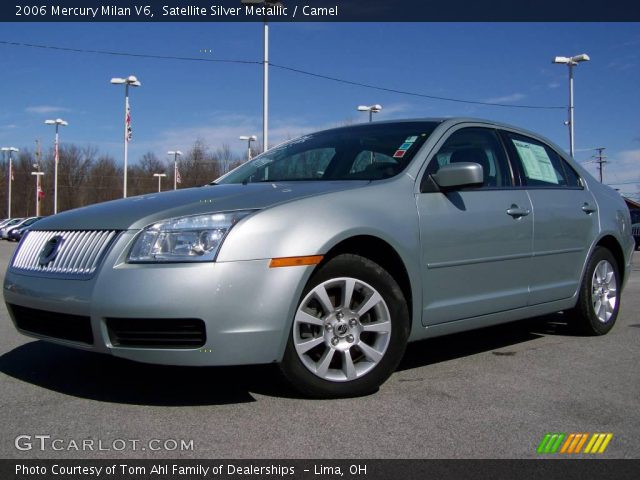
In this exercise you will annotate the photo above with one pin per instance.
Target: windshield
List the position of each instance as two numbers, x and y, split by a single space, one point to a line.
363 152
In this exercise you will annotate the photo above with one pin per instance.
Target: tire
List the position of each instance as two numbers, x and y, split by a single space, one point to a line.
349 332
599 299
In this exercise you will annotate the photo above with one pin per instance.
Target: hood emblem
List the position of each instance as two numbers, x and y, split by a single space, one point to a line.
50 250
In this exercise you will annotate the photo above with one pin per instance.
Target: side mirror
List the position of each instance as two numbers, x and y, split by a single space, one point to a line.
459 174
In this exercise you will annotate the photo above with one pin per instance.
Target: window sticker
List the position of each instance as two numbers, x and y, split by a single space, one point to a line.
411 139
405 146
536 162
399 153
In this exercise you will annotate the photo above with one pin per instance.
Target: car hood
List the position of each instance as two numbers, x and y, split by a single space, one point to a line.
138 212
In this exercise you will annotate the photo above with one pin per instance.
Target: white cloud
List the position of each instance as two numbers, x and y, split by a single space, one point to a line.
514 97
225 129
394 110
622 169
44 109
623 63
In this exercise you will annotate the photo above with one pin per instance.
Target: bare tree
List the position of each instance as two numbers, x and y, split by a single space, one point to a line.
105 180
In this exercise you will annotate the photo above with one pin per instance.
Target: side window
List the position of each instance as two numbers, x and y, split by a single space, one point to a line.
540 165
573 179
478 145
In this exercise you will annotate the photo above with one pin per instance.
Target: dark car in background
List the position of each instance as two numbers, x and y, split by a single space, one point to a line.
635 226
9 227
16 234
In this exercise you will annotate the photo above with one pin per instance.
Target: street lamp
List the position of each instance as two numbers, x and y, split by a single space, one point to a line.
176 154
265 82
56 155
130 81
160 176
249 139
371 109
38 174
571 62
10 150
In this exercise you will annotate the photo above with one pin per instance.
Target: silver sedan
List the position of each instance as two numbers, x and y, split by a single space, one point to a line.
329 253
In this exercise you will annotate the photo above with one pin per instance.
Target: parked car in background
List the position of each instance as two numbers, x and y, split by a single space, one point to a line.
8 224
330 252
16 233
7 229
635 226
4 221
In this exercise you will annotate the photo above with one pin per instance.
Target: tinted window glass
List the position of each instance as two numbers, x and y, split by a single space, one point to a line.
478 145
573 179
309 164
362 152
540 165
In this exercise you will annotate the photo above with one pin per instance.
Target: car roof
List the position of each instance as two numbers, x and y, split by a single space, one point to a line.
451 121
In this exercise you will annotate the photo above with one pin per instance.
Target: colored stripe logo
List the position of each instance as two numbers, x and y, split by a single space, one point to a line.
572 443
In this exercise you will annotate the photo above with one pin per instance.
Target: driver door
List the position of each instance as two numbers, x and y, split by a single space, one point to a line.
476 241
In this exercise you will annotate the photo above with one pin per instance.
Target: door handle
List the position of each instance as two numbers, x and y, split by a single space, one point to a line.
588 208
516 212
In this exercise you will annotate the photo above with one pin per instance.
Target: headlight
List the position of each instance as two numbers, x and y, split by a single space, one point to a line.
195 238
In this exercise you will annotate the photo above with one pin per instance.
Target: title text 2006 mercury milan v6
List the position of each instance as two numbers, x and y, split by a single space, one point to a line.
329 253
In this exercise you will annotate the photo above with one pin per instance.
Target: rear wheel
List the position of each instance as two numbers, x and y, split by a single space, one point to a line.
599 300
349 332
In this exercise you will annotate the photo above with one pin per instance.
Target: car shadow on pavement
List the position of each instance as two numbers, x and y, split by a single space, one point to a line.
449 347
110 379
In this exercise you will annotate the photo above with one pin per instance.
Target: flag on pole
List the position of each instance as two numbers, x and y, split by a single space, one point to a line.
128 122
40 193
178 177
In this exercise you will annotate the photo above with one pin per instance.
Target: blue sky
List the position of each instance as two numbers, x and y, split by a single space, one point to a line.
180 101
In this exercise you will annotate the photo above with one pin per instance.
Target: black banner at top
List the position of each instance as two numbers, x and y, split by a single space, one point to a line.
319 10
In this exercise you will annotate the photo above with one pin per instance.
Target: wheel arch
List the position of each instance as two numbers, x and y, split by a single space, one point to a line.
611 243
380 252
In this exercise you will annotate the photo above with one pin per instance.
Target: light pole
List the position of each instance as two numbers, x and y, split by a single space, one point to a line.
38 186
10 180
130 81
176 154
56 158
160 176
38 174
371 109
571 62
265 82
248 139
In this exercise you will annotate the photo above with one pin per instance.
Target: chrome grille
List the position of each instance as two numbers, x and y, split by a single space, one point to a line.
78 256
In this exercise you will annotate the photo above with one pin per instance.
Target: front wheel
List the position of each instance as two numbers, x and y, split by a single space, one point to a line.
599 299
349 332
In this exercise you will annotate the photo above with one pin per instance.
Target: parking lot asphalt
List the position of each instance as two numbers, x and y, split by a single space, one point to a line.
492 393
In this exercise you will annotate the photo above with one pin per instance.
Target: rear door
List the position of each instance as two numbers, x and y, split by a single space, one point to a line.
565 217
476 242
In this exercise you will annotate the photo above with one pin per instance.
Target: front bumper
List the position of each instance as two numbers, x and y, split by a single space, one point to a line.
247 308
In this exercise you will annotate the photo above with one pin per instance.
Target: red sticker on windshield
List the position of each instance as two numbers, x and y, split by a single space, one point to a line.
399 153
